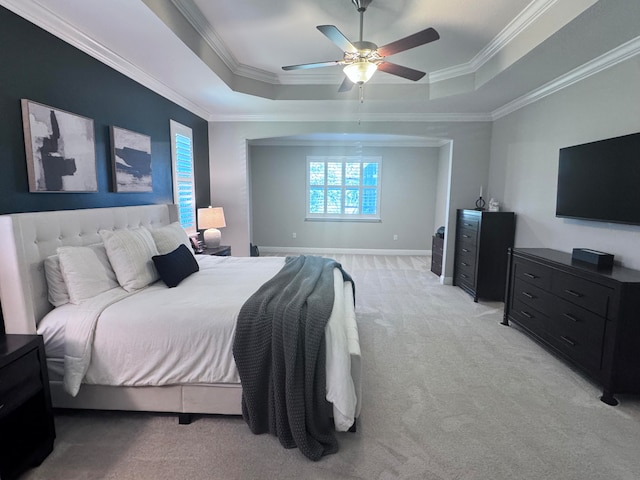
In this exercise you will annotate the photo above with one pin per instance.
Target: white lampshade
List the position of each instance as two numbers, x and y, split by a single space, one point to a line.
360 72
209 220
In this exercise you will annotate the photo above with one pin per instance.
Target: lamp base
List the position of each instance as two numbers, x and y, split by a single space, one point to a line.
211 237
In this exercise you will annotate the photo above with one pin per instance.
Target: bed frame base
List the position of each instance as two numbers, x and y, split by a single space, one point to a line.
181 399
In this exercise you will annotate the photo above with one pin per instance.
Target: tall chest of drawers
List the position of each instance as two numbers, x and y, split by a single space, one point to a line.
437 250
590 318
482 243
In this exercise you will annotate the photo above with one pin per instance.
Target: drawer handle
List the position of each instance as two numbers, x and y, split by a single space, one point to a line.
464 276
468 224
572 293
530 275
571 317
528 295
464 264
526 314
466 236
568 340
465 250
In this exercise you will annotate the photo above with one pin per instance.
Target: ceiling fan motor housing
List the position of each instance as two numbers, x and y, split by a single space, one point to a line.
361 5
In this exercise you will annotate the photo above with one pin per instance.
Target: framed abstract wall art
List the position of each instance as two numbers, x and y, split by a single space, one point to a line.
60 149
131 161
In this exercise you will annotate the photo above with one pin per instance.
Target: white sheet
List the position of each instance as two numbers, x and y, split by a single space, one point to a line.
161 336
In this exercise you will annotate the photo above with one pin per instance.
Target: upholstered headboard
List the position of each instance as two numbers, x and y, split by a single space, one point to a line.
26 239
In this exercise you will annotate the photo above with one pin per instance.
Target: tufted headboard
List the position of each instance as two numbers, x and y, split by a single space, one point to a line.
26 239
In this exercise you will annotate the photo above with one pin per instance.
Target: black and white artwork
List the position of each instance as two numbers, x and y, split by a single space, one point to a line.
131 154
60 149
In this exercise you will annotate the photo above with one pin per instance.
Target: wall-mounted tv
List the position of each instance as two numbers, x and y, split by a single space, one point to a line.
601 181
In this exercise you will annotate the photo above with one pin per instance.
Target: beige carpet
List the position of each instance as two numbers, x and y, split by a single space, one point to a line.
449 393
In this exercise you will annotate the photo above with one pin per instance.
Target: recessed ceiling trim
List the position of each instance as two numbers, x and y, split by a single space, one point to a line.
517 26
371 117
375 142
41 16
195 17
617 55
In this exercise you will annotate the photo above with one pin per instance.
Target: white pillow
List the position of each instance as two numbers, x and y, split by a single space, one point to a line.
86 271
57 289
130 253
170 237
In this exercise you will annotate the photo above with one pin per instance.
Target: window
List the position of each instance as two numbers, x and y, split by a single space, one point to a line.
184 191
343 188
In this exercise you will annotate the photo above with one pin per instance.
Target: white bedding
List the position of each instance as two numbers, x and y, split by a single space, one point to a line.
164 336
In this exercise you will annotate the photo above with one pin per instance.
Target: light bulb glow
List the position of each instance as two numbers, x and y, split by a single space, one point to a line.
360 72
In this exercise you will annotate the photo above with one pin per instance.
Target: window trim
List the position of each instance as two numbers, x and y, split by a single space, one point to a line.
344 217
175 129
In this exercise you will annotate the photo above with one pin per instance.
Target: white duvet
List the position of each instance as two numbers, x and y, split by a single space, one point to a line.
184 335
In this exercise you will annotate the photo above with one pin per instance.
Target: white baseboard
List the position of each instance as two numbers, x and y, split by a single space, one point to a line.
347 251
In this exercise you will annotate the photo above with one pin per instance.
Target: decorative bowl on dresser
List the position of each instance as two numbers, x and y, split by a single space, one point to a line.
27 429
482 243
589 317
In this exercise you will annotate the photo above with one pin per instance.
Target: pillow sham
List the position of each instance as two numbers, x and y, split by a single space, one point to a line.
170 237
56 288
130 253
86 271
176 266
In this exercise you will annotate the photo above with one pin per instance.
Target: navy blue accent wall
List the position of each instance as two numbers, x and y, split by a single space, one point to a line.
39 66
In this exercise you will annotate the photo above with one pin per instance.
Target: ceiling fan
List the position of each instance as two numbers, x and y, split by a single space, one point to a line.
361 59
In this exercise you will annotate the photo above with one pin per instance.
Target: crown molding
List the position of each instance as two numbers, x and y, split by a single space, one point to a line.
518 25
355 117
603 62
194 16
397 141
38 14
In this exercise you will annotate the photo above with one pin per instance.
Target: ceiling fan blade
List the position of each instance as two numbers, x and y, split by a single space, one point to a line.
400 71
425 36
305 66
336 36
346 85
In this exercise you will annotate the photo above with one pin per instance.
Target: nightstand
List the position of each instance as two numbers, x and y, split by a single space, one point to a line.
27 429
221 251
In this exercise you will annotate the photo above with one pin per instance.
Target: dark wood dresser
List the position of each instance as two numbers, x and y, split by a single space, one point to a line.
482 243
589 317
437 249
27 429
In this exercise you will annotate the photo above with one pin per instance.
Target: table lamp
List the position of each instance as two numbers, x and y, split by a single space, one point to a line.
210 220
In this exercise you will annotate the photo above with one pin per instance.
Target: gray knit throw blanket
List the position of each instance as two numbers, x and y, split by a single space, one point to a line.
279 349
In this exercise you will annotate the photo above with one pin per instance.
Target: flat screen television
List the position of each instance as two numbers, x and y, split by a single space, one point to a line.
601 181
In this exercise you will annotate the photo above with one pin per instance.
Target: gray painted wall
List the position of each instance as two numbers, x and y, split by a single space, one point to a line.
524 160
229 160
407 199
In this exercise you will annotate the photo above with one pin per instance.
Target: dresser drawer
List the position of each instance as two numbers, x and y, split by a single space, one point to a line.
19 380
589 295
529 318
579 333
466 267
468 236
533 296
437 246
466 249
532 273
469 221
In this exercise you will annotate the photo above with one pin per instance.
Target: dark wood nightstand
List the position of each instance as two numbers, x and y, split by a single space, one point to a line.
27 429
221 251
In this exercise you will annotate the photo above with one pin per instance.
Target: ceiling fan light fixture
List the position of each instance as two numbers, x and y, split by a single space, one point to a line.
360 72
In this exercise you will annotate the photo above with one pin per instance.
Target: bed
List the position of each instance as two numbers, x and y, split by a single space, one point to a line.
122 367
